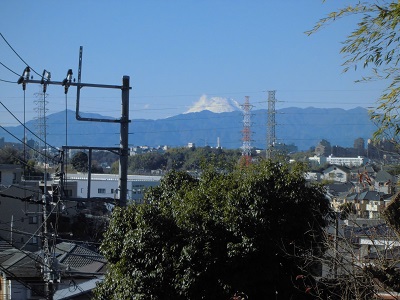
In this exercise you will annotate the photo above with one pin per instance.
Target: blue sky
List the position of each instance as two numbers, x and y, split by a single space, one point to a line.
177 51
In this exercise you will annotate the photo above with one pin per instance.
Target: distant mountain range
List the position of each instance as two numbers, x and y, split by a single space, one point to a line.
303 127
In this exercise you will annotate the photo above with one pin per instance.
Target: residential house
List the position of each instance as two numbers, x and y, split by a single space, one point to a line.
10 174
337 192
385 182
336 174
20 209
369 204
76 272
313 176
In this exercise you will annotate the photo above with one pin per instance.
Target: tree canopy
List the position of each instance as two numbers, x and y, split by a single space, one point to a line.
184 159
80 162
374 45
249 230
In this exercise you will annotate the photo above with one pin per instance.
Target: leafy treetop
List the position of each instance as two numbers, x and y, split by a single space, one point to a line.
248 231
374 44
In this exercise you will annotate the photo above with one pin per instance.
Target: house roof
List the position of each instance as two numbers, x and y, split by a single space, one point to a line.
393 253
71 258
336 188
377 231
383 176
21 264
79 258
369 195
336 167
352 196
4 245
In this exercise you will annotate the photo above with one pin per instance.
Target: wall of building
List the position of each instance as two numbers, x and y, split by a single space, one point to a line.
106 185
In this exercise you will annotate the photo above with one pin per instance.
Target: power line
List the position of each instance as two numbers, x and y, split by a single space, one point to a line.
51 158
18 54
26 128
12 71
8 81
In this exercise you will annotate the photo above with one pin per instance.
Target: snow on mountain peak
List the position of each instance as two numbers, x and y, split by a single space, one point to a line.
214 104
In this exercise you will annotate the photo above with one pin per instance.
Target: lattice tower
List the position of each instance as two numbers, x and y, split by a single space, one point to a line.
41 123
246 132
271 138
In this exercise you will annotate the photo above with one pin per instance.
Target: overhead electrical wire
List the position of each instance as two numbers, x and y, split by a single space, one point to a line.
18 55
26 128
12 71
8 81
51 158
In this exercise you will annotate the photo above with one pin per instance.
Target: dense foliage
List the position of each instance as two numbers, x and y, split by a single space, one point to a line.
184 159
248 230
80 162
374 45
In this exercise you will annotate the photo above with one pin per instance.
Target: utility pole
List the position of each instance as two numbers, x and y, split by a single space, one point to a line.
51 273
124 120
124 144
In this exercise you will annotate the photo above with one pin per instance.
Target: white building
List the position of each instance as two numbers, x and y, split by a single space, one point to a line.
339 161
347 161
106 185
318 160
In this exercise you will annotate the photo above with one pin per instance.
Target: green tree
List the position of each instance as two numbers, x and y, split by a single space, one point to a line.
373 45
146 161
80 161
209 237
10 155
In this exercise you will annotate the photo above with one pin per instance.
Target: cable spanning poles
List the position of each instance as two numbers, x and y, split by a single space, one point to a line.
271 138
246 132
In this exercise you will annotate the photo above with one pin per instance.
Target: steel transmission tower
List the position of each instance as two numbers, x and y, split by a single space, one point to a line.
246 132
40 125
271 138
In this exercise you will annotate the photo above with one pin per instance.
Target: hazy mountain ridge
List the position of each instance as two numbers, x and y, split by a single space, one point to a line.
304 127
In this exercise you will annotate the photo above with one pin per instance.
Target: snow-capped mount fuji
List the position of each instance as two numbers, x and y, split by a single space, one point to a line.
215 105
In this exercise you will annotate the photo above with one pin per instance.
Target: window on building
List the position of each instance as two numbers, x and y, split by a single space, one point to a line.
101 191
68 193
112 191
33 219
0 176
